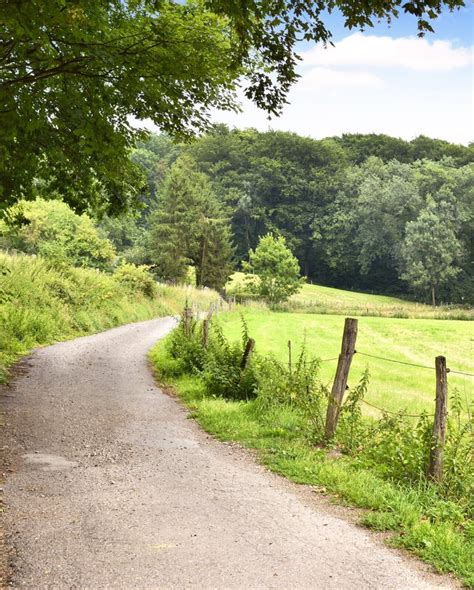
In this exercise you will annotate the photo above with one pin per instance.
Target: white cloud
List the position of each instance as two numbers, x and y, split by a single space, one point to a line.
402 87
411 53
322 79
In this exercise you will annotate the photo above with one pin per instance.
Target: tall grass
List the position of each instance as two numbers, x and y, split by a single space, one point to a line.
41 304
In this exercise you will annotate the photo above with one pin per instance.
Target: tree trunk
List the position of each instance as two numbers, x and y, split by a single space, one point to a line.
200 271
433 296
306 268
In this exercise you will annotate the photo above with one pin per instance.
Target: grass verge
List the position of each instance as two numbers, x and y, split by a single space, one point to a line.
41 304
421 521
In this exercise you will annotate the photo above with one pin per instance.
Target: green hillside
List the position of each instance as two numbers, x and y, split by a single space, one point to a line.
327 300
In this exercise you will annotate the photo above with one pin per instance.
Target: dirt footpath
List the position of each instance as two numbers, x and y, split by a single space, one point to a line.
111 486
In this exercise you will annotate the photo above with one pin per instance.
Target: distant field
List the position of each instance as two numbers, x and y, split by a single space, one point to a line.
319 299
392 386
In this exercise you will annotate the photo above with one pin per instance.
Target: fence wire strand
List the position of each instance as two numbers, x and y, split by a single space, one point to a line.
460 373
401 413
382 358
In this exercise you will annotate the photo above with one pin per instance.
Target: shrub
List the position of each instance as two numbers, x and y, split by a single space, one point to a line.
218 364
52 230
187 349
276 269
297 387
223 374
136 279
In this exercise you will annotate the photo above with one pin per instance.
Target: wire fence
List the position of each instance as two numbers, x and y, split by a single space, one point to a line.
339 387
382 358
401 413
384 411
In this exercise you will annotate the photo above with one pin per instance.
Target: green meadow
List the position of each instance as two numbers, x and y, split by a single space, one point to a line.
392 386
328 300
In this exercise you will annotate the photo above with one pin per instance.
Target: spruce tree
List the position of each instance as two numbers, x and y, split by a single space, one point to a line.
174 224
188 227
216 253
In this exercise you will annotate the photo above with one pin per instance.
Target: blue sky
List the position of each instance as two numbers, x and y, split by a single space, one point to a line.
383 80
457 25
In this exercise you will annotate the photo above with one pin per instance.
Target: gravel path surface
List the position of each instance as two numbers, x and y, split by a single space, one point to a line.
112 486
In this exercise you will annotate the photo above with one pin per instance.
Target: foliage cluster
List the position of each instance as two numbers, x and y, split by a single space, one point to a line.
136 279
219 364
51 229
275 269
72 74
376 464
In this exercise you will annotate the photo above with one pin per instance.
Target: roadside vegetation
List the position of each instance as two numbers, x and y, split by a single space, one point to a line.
41 304
375 463
63 278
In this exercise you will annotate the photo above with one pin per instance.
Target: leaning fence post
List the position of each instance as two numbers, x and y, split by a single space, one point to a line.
289 358
435 469
211 311
247 353
349 338
205 333
188 318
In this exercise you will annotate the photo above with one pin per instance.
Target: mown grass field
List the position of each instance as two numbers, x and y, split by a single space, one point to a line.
392 386
327 300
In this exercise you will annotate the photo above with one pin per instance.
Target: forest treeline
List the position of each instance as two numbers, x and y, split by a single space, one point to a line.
367 212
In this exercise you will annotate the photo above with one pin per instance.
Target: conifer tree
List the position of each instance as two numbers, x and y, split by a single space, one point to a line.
174 222
189 227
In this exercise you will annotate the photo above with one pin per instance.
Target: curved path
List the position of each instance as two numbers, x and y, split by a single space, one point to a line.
111 486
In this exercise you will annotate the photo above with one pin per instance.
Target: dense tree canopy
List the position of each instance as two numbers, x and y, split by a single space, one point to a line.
342 204
71 74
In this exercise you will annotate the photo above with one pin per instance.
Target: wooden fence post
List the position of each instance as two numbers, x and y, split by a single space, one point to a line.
210 312
435 469
188 318
205 333
247 353
289 358
349 338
